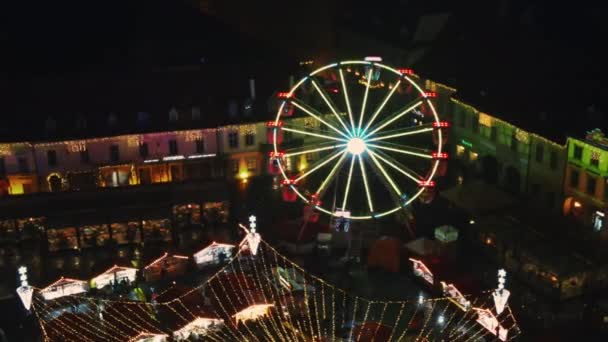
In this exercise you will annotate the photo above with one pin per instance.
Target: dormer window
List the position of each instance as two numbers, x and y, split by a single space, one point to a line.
50 125
112 119
81 122
173 114
196 113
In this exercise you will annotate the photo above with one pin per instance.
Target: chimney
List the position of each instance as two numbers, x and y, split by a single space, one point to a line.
252 88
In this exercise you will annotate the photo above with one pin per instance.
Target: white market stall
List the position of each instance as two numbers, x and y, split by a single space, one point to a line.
115 274
198 327
213 254
252 312
149 337
64 287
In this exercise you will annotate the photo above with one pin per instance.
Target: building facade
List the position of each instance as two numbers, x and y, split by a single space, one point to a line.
500 153
585 185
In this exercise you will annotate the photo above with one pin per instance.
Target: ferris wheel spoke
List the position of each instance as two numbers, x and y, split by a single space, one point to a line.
379 109
312 150
393 117
412 151
397 166
323 136
319 165
369 76
315 114
331 175
367 192
385 174
403 132
327 100
350 176
350 112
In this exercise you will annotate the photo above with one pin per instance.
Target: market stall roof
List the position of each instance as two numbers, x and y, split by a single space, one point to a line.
62 282
167 258
422 247
146 336
478 197
115 269
213 245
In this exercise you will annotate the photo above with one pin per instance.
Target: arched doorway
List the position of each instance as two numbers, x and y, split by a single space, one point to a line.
54 180
512 180
489 169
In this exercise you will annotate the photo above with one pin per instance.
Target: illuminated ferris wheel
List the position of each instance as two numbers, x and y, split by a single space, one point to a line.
358 139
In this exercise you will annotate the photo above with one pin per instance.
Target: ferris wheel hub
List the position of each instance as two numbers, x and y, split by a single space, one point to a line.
356 146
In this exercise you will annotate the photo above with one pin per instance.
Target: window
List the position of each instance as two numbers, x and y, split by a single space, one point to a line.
233 139
114 153
595 159
249 139
539 153
493 133
143 150
84 156
553 160
591 185
574 178
172 147
514 143
475 124
235 166
578 152
51 157
200 145
2 167
251 164
23 165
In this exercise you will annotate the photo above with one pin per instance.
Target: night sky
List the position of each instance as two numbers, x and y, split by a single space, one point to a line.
516 56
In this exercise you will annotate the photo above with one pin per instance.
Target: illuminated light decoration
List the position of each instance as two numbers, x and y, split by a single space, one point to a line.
252 238
199 326
252 312
426 183
487 319
64 287
284 95
466 143
114 275
485 120
309 151
349 111
148 161
393 119
406 71
76 146
501 295
307 62
442 155
441 124
380 108
356 146
172 158
430 94
213 254
577 204
420 270
332 108
244 175
402 134
373 59
149 337
455 296
522 136
342 220
25 291
199 156
274 124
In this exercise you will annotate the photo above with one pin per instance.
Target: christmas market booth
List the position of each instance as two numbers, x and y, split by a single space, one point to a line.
64 287
167 266
213 254
114 275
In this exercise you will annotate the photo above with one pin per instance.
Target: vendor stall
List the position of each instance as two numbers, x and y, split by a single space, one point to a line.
114 275
64 287
213 254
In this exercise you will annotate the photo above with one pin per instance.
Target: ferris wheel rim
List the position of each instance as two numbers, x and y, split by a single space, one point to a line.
425 99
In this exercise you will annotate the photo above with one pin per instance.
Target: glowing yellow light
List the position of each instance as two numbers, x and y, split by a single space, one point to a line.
577 204
244 175
485 119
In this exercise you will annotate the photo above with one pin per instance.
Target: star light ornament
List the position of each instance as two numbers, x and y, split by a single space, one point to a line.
501 295
25 291
253 238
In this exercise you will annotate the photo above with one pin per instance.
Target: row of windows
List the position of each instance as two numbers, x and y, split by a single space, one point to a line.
22 165
589 187
594 158
114 151
540 156
250 162
233 139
